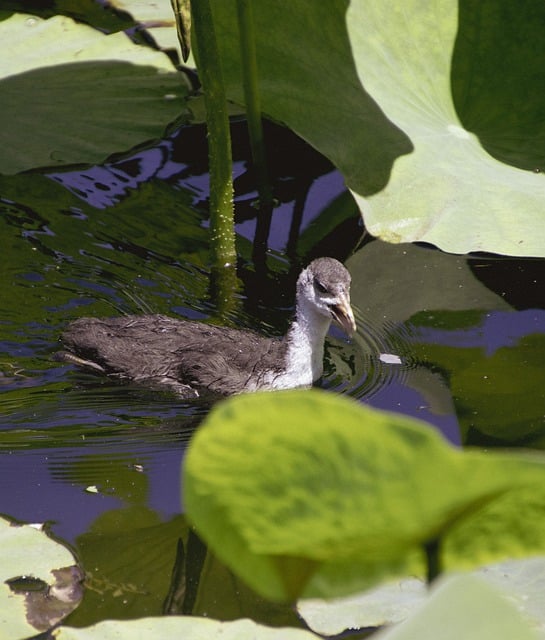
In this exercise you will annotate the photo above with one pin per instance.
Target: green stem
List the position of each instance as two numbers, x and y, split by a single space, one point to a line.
222 232
252 100
432 550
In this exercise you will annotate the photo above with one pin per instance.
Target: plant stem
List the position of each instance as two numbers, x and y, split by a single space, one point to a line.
252 100
433 559
222 232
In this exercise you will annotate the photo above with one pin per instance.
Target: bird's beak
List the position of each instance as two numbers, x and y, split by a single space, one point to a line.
344 316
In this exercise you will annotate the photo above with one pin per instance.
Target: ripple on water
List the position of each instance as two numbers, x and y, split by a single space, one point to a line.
373 360
60 405
73 433
93 409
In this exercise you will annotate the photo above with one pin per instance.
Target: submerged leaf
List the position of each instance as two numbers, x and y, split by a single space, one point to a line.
310 493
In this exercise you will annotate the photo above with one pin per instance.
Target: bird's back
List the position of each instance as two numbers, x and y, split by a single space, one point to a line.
182 354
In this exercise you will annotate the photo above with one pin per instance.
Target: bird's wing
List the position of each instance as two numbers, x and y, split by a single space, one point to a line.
173 352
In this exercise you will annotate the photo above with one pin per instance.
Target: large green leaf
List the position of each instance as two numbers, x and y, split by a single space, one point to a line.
306 492
73 94
384 89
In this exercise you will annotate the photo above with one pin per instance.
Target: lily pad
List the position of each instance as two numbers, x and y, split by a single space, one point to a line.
463 607
306 493
431 115
390 603
39 581
73 94
521 582
182 627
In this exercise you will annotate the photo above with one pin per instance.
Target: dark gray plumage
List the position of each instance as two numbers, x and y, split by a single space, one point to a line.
188 356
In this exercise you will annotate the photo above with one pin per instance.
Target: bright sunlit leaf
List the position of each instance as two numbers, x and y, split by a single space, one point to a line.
310 493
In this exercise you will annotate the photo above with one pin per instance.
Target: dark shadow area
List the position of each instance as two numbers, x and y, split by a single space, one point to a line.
293 83
519 282
68 113
498 75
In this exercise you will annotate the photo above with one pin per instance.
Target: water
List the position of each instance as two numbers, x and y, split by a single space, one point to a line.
100 462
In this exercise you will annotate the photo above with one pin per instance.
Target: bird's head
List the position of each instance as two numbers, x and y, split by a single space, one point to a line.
325 286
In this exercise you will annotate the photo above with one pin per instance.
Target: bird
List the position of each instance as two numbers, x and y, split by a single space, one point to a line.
195 359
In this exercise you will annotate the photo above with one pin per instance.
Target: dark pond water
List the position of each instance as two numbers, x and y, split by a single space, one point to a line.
457 341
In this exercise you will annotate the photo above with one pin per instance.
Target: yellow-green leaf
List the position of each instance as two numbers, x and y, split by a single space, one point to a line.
311 493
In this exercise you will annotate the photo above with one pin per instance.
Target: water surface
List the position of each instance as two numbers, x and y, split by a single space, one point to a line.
456 341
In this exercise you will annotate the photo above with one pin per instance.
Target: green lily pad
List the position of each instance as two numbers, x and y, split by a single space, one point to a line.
182 627
73 94
306 493
521 582
463 607
389 603
433 117
39 582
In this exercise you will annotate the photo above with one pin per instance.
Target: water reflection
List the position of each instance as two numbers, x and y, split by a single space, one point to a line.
495 374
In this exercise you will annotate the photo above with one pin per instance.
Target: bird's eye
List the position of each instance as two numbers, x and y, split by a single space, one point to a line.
319 286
